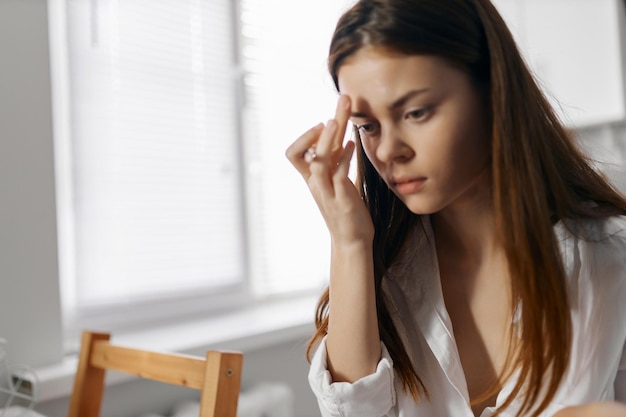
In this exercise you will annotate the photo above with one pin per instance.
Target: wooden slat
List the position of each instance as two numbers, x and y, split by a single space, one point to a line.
170 368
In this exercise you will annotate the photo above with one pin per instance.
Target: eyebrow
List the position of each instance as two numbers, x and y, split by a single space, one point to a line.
397 103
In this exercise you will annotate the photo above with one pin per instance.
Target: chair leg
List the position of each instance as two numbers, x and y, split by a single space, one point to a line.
89 380
221 389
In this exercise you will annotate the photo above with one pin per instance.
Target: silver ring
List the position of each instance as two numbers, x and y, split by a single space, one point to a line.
310 155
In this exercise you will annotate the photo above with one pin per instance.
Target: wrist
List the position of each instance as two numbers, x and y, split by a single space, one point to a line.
351 247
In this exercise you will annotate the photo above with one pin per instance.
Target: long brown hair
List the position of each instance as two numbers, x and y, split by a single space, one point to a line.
539 177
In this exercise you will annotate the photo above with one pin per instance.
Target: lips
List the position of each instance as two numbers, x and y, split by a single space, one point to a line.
408 185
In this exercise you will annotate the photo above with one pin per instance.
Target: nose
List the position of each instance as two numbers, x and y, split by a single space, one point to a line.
391 147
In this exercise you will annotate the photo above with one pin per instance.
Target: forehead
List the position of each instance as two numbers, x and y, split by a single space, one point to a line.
376 74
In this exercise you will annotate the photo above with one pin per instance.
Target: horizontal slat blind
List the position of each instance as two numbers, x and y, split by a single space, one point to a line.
156 187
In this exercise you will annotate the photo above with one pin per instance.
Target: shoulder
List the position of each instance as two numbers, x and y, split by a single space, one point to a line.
609 230
594 251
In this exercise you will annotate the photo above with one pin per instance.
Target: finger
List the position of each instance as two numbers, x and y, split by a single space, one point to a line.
342 115
296 151
322 148
343 166
332 137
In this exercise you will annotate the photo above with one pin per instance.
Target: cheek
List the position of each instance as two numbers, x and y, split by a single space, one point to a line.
477 146
370 155
467 143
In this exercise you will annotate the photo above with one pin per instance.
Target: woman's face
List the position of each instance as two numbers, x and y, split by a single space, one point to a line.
422 125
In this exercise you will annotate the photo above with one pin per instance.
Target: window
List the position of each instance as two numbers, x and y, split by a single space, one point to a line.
172 122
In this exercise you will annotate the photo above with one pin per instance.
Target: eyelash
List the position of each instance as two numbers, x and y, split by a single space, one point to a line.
418 115
361 129
422 114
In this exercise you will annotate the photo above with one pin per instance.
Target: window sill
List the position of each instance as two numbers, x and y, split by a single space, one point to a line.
245 330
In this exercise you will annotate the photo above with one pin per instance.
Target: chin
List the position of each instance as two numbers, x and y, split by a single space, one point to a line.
419 206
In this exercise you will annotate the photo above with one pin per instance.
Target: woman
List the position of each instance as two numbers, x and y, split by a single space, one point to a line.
478 268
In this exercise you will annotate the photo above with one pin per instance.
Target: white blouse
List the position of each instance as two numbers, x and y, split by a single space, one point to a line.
595 263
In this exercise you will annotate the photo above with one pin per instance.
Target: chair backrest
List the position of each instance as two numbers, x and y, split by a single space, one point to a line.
217 376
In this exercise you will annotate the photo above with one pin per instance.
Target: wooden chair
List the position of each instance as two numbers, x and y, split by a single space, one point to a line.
218 376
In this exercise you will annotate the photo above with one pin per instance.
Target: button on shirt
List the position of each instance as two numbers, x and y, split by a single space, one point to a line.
594 255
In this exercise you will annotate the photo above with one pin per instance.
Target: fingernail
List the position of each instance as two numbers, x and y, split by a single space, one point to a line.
343 102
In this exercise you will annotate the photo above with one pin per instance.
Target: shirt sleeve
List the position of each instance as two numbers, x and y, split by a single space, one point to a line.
371 396
619 385
596 266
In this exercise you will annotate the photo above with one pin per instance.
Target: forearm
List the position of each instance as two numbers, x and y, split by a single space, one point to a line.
353 341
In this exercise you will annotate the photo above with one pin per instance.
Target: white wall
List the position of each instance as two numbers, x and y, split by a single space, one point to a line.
607 146
29 302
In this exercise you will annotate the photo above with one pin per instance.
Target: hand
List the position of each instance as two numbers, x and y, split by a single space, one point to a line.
598 409
345 214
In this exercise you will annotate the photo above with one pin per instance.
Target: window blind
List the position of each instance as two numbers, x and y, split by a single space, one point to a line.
179 115
156 184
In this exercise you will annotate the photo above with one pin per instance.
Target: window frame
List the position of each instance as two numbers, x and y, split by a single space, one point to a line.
148 311
275 268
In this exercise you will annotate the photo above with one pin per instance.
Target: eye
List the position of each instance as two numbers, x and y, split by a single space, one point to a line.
367 129
418 115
